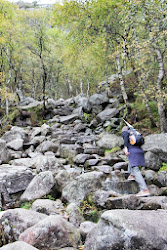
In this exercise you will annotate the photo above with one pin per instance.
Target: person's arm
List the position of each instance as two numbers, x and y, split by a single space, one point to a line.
125 136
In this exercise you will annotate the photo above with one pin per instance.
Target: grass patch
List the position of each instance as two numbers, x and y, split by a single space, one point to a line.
164 167
87 117
112 151
26 205
89 211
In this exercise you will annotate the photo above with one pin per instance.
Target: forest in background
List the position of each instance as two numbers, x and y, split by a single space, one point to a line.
76 47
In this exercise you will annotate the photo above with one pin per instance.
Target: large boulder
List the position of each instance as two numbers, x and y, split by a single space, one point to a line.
4 153
85 228
74 214
153 161
39 186
49 207
12 135
109 141
14 179
15 144
38 162
98 99
83 101
18 245
107 114
47 146
127 229
52 233
78 190
15 221
69 151
157 144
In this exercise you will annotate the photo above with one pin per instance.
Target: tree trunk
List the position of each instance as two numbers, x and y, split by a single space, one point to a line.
122 85
88 87
44 78
161 111
7 106
81 86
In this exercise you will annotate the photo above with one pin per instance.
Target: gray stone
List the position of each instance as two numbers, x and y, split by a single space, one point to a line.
153 161
85 228
133 202
69 151
4 153
52 233
156 143
109 141
77 190
97 99
150 175
129 229
39 162
68 119
15 144
122 187
82 101
15 178
104 168
18 245
161 179
47 146
100 197
31 105
45 129
12 135
62 179
74 214
49 207
35 131
39 186
78 112
91 162
15 221
81 158
106 114
120 165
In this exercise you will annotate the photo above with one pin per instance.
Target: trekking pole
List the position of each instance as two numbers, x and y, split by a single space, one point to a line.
130 126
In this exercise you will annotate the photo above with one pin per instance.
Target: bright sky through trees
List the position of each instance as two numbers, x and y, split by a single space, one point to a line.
39 1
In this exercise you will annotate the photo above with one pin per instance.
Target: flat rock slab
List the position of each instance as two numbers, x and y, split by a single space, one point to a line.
136 203
129 229
15 178
122 187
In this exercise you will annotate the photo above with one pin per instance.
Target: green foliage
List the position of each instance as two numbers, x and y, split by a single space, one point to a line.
48 196
51 52
112 151
164 167
87 117
26 205
89 211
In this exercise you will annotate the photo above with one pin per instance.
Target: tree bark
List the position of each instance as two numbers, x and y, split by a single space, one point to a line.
161 111
122 85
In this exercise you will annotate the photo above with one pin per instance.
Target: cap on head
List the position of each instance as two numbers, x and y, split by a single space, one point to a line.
125 128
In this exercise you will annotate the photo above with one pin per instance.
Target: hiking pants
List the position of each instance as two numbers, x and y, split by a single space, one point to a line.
135 171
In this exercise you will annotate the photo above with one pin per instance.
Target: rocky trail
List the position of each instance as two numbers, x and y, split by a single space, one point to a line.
72 175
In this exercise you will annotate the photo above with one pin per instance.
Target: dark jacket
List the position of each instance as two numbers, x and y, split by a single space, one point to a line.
136 156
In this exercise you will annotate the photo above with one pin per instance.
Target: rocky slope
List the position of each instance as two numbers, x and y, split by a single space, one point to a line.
78 194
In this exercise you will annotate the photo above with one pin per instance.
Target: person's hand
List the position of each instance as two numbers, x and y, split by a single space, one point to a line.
126 151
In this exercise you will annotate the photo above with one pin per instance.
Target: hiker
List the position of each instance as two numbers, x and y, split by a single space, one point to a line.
136 159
